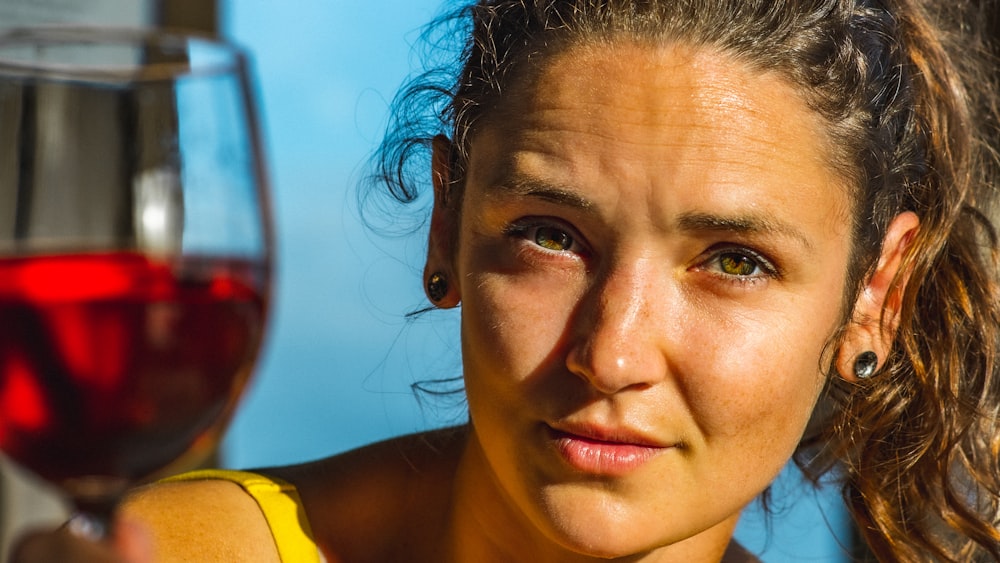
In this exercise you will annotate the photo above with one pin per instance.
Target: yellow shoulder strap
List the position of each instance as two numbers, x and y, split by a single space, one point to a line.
281 505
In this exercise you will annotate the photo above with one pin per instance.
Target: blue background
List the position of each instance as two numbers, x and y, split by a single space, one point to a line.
340 356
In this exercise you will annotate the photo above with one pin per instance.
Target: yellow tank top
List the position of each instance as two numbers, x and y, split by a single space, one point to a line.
281 505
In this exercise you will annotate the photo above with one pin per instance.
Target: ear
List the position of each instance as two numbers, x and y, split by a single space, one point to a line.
444 226
876 312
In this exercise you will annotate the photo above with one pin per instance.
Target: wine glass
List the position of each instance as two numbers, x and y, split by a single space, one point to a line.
135 253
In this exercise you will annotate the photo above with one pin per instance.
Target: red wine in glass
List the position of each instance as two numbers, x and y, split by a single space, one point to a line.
117 364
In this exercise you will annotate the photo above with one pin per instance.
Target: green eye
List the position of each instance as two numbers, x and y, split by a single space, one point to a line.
554 239
735 264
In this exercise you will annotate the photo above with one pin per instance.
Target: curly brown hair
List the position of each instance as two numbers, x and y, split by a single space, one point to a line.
908 98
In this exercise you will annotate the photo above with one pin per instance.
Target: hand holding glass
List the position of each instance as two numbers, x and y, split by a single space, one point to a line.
135 253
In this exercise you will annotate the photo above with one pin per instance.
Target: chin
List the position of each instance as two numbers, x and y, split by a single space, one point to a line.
610 533
608 526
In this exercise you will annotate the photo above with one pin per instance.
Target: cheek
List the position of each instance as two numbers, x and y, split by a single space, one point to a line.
755 379
514 326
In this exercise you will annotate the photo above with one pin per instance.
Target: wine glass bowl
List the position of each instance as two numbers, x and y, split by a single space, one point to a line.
135 253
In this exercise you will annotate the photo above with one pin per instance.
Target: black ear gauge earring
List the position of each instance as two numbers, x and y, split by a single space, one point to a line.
865 364
437 286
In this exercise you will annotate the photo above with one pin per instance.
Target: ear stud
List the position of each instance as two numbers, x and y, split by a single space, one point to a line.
437 286
865 364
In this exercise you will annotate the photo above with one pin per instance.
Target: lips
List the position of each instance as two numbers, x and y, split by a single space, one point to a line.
604 451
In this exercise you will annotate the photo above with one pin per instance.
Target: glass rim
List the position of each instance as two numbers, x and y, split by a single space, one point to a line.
224 57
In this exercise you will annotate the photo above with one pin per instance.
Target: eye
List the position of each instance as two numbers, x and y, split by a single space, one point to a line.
552 238
735 264
741 264
548 235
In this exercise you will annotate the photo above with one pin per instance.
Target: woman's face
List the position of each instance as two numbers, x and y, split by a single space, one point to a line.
651 254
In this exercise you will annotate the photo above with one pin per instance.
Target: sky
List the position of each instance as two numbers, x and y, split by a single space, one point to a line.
340 357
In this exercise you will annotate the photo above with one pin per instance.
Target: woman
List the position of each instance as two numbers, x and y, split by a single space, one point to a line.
691 240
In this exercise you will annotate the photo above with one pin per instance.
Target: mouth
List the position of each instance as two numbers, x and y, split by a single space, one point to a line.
607 452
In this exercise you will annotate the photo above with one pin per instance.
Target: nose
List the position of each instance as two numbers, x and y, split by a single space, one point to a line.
620 327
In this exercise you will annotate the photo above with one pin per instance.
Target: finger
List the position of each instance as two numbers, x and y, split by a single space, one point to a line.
132 540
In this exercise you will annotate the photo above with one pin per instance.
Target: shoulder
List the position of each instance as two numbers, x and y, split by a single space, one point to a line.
385 496
210 520
381 502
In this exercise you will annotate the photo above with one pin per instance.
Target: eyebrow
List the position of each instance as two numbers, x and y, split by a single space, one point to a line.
529 187
744 224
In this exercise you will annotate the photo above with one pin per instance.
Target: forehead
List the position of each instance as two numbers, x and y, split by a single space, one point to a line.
666 117
680 87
